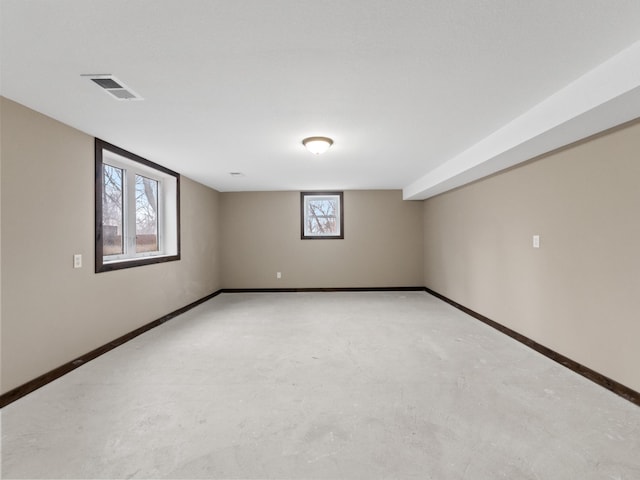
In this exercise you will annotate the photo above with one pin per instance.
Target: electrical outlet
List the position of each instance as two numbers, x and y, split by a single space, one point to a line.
77 260
278 275
536 241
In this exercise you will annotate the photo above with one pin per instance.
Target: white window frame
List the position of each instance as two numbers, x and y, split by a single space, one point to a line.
167 213
305 198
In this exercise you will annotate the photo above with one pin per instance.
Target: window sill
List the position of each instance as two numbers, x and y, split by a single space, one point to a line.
108 266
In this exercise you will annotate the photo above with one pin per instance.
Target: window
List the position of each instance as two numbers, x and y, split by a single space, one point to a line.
137 210
321 215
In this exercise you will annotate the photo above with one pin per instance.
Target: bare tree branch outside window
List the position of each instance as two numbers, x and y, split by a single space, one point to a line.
321 215
137 210
146 214
112 206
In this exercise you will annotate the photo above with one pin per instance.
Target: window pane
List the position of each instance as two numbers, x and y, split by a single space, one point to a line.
321 216
112 210
146 214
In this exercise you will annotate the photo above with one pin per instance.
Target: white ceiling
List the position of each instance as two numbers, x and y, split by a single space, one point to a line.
420 95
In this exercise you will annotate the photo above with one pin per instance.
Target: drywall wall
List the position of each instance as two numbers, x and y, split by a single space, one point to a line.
578 294
1 228
261 236
51 312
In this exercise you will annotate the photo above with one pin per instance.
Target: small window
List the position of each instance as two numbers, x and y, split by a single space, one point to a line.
137 210
321 215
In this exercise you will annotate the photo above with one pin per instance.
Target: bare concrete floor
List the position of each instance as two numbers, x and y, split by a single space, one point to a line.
322 385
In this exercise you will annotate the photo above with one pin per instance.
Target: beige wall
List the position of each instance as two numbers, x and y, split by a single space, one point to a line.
579 294
52 313
261 236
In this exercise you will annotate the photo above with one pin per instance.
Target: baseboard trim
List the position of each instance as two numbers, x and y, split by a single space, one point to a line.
302 290
606 382
19 392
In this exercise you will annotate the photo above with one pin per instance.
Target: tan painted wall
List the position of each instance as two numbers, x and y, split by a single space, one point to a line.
261 236
579 294
52 313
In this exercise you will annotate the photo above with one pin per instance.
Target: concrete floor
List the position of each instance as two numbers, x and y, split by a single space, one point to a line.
322 385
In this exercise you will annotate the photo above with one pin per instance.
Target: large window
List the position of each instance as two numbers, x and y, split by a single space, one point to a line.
137 210
321 215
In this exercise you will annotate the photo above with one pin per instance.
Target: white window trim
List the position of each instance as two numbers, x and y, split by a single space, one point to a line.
130 170
168 209
305 198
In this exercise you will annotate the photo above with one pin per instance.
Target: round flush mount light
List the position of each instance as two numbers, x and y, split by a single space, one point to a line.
317 145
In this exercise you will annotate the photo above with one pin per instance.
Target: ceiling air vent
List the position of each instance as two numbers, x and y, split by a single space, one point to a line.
113 86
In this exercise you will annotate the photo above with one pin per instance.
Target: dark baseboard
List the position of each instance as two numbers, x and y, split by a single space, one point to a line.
299 290
616 387
42 380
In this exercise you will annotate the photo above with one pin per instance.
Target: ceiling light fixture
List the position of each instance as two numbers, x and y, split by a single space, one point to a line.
317 145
